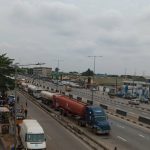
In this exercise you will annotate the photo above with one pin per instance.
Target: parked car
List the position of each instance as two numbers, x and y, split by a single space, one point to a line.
11 100
134 101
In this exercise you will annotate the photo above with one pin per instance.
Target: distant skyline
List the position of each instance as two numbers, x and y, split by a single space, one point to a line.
34 31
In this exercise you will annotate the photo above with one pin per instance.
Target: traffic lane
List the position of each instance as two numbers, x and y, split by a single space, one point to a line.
131 110
136 138
58 138
117 99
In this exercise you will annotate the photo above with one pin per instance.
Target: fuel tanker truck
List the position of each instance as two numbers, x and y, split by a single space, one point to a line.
91 116
35 91
47 97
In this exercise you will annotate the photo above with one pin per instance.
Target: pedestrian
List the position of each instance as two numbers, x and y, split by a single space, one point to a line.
115 148
22 109
18 128
13 147
25 112
17 99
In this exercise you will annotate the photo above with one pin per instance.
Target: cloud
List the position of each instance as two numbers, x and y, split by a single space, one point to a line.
37 30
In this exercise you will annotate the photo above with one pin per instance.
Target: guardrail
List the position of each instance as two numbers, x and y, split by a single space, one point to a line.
121 112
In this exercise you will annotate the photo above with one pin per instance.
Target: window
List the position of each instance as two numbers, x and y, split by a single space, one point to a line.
35 138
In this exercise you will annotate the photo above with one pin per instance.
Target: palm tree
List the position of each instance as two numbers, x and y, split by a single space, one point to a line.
6 71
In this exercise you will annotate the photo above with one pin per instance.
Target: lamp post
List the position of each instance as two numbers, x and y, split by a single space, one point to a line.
94 58
58 63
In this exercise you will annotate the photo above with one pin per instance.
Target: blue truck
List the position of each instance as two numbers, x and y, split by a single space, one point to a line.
97 119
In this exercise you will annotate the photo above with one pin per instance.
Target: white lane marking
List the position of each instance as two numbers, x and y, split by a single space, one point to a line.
141 135
119 137
120 126
144 113
48 137
131 112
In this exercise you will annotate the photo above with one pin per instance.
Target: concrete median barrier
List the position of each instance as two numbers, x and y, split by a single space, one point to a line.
70 96
144 120
79 98
121 112
104 106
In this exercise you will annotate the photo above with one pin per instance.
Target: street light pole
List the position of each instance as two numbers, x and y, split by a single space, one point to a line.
94 57
58 61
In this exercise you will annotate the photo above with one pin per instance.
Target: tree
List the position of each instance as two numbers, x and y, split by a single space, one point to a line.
6 71
88 73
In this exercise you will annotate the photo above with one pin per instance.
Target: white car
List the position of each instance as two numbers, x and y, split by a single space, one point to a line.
134 101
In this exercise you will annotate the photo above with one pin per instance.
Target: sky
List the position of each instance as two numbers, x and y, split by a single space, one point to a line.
46 31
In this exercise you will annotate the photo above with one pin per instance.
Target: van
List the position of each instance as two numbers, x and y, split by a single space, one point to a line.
134 101
32 135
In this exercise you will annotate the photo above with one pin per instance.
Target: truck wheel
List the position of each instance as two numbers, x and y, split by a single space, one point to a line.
95 130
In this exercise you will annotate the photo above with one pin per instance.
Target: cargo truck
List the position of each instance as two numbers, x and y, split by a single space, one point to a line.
32 135
91 116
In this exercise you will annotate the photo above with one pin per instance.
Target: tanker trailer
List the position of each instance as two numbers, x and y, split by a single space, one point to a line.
92 116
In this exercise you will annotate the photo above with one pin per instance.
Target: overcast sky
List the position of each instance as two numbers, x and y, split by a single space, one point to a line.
71 30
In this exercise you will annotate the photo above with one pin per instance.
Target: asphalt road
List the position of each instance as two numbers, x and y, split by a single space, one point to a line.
131 136
124 135
112 103
58 138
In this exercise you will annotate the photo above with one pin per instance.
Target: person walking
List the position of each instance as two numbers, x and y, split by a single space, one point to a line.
17 99
26 112
115 148
26 104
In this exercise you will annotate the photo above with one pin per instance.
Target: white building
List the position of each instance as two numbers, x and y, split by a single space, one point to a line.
42 71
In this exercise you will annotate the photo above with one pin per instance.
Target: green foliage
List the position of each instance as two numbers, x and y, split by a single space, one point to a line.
88 73
5 71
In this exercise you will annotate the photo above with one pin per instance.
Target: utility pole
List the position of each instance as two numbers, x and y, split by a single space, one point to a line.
58 61
94 58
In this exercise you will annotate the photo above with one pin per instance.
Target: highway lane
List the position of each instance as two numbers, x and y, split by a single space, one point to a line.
133 137
115 103
58 138
123 135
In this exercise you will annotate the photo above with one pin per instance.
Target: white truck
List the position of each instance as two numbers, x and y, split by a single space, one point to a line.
32 135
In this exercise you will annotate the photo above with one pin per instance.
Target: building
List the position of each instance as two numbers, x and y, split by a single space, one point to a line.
42 71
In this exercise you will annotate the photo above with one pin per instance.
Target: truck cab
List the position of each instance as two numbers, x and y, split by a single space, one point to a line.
96 118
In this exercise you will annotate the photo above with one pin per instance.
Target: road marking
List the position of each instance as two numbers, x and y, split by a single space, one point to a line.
141 135
119 137
120 126
144 113
131 112
48 137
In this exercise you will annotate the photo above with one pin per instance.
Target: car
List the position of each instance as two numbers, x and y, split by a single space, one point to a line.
2 102
11 100
134 101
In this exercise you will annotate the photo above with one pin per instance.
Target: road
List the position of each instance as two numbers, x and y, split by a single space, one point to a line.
58 138
115 105
125 135
131 136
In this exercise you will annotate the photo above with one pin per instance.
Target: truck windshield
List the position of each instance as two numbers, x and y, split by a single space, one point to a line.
100 118
35 138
